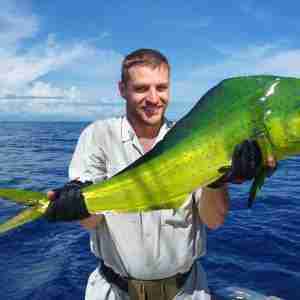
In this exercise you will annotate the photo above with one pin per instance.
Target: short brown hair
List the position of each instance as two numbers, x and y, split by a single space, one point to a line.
147 57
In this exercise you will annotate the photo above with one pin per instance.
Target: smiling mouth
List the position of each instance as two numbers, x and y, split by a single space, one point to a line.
152 110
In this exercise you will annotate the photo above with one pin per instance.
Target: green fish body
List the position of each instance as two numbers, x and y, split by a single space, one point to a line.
196 150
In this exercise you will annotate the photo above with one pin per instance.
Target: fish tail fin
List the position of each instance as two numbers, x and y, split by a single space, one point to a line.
23 217
36 200
24 197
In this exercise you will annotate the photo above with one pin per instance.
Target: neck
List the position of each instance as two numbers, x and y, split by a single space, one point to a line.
143 130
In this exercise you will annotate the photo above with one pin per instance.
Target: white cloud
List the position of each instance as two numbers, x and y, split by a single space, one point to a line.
19 70
76 72
84 77
81 61
285 63
56 109
265 59
47 90
252 60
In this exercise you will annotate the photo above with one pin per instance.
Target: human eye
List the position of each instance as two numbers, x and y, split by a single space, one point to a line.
140 89
162 87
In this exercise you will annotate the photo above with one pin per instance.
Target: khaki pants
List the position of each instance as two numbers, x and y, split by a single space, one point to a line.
165 289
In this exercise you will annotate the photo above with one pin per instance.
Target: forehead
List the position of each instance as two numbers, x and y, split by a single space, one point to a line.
148 74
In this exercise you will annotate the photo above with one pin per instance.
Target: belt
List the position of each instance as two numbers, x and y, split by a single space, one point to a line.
122 282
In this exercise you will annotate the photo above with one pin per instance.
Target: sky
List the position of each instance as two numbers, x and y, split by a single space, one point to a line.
60 60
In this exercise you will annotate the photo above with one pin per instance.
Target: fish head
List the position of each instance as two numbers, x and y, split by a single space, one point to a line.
282 116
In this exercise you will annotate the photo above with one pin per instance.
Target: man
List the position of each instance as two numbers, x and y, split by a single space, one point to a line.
151 255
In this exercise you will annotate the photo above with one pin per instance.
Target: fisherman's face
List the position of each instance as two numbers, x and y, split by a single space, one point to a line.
147 94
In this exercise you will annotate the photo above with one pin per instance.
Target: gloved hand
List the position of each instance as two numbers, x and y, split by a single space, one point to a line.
246 163
68 203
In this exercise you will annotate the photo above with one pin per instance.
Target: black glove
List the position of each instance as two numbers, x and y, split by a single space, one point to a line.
246 164
68 204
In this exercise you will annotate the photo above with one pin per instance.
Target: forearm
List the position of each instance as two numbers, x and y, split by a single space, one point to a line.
213 206
92 221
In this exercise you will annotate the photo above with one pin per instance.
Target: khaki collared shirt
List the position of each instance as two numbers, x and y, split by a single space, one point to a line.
145 245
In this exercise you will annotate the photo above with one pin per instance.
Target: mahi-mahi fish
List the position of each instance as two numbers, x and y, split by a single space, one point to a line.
196 151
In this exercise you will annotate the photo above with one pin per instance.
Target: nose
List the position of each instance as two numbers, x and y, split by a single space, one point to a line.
153 96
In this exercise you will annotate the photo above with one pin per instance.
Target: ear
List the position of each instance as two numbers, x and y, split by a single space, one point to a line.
122 89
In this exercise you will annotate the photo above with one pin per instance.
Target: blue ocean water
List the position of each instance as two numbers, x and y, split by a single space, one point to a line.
257 248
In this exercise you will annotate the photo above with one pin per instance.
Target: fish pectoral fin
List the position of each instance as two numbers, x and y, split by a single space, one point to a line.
257 184
23 217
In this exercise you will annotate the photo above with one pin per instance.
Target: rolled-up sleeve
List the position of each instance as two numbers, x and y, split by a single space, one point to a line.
88 162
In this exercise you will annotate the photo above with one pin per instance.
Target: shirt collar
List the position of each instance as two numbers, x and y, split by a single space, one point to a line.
128 134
